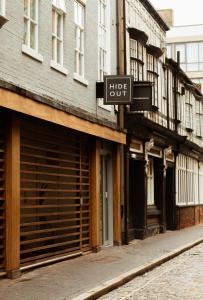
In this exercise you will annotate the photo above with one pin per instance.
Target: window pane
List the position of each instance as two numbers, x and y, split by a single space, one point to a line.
33 9
201 52
53 21
192 52
59 25
192 67
32 35
59 52
183 67
26 31
181 49
201 67
169 51
25 7
81 64
53 48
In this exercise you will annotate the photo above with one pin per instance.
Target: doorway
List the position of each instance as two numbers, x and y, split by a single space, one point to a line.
170 199
106 201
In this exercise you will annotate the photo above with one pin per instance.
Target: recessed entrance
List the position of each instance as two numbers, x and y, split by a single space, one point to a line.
106 203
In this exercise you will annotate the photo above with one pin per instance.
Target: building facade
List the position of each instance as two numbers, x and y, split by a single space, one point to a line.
76 174
60 147
188 41
164 145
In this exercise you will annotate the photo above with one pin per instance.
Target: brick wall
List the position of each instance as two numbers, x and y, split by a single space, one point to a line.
20 69
188 216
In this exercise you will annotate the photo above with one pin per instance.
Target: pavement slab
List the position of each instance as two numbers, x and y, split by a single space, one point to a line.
82 276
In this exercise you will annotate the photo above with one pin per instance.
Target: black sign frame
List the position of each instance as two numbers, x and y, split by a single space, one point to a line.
142 98
121 90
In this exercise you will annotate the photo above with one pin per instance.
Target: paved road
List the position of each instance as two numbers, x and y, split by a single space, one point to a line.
178 279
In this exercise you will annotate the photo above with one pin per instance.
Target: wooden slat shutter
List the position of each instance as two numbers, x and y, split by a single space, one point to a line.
55 210
2 191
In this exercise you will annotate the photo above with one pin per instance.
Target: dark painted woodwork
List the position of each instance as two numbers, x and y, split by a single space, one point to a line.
170 199
137 199
159 191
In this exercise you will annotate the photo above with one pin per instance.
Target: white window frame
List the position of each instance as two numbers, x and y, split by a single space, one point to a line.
79 74
150 182
198 118
104 46
2 8
58 64
26 47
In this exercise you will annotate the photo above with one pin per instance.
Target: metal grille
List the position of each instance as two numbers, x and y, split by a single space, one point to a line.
55 210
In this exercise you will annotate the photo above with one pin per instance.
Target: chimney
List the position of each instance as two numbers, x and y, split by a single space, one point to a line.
167 16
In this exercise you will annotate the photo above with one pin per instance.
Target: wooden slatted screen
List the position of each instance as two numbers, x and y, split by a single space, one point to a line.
2 190
55 208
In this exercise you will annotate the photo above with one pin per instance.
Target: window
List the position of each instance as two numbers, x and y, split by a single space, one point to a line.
150 182
169 51
57 36
30 42
187 180
31 24
103 52
152 76
58 12
79 15
136 60
191 56
188 116
198 118
104 43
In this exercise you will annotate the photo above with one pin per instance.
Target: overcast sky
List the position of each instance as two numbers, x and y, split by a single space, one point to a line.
186 12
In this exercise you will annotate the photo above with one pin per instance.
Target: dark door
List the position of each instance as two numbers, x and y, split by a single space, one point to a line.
170 198
136 207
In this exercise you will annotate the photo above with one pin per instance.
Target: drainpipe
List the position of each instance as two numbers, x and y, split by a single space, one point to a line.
121 70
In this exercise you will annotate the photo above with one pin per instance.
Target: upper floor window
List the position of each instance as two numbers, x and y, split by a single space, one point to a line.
31 24
169 51
103 39
104 43
191 56
152 76
136 59
57 36
188 111
79 15
58 13
198 118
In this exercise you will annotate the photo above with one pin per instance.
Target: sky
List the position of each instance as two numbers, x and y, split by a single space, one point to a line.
186 12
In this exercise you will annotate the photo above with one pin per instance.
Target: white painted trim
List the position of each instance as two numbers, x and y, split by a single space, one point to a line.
58 67
108 49
106 107
3 12
56 38
60 5
32 53
80 79
35 22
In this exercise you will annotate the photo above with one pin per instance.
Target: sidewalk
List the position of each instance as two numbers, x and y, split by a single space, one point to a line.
71 279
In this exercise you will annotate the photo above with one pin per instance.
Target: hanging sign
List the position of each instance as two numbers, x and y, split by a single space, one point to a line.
142 96
118 89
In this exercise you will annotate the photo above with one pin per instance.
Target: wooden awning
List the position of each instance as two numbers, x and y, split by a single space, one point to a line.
138 35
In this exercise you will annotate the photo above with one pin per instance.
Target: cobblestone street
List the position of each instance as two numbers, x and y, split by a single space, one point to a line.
178 279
